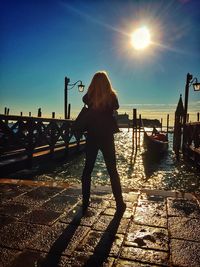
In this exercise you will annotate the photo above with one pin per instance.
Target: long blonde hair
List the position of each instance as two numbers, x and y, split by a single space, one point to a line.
100 91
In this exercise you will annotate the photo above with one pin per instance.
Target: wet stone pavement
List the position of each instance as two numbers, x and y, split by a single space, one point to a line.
44 226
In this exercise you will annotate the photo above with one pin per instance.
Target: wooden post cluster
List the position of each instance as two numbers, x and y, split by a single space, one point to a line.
6 111
39 113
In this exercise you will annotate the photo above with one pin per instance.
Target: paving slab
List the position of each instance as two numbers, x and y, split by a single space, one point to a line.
111 212
5 188
108 223
90 241
151 213
185 253
100 257
184 228
72 191
147 237
145 255
130 263
61 203
183 207
9 195
5 220
38 196
49 235
76 238
61 238
108 262
7 256
31 258
116 245
27 258
99 202
17 235
14 209
41 216
131 197
129 205
75 260
78 259
74 216
103 191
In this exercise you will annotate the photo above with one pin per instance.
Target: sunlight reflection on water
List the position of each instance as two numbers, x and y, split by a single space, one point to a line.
135 173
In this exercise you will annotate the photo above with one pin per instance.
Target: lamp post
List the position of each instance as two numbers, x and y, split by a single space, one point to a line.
69 86
196 85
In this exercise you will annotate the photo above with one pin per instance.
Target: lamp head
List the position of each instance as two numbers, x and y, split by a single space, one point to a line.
81 87
196 86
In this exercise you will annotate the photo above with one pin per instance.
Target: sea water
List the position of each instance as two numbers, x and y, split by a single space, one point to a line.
136 169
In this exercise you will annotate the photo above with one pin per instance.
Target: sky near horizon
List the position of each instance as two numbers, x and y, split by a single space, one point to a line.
44 41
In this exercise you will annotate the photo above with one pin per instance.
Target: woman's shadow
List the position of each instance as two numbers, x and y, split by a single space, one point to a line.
59 246
101 251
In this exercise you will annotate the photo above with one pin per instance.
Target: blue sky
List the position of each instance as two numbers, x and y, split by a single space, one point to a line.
44 41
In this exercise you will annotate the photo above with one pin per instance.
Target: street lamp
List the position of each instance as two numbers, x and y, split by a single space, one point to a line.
69 86
196 85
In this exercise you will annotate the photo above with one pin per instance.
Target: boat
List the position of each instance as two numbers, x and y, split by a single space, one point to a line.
156 144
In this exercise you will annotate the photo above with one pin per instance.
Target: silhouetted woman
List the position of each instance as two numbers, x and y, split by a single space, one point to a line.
101 99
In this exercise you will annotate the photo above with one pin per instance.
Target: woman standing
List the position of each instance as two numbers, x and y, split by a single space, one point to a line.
101 99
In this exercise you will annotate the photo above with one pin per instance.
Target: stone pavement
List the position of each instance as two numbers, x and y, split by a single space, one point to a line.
43 226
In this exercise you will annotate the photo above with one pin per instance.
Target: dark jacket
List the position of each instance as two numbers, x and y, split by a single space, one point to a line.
102 122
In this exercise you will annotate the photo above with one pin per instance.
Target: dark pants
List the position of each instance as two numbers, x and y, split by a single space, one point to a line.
107 146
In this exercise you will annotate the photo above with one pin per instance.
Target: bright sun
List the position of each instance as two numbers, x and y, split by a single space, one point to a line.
140 38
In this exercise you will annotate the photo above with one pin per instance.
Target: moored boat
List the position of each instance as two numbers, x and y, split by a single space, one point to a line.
156 143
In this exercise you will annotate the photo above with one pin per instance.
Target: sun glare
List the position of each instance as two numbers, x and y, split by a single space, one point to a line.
140 38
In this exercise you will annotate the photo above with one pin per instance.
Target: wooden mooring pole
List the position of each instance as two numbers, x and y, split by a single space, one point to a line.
140 124
167 125
134 140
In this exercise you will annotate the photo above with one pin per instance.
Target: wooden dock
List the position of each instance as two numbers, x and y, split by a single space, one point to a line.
191 142
23 139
